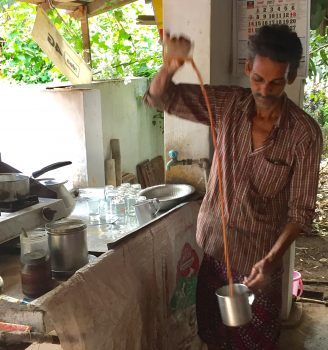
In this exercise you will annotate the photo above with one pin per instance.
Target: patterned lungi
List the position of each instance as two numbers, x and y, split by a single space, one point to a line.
262 333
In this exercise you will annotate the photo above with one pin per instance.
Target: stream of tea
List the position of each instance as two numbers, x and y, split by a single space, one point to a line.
219 172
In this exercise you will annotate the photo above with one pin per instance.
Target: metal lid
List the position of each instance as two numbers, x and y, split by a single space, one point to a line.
35 257
65 227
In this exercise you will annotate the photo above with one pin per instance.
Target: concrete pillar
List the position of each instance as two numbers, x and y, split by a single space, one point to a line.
191 18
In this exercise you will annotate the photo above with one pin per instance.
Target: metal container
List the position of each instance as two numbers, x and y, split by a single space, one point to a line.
68 245
146 210
236 308
168 195
13 187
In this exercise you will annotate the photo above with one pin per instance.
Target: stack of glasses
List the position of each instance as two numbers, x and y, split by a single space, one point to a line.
112 208
119 202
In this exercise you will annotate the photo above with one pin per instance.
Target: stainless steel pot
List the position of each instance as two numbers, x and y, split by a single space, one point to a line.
68 245
13 186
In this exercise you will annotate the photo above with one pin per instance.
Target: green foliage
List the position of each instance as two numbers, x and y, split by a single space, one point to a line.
119 47
318 12
4 4
158 120
316 98
21 59
316 104
318 63
316 95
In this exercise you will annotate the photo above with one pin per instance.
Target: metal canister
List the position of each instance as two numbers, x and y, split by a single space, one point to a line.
68 245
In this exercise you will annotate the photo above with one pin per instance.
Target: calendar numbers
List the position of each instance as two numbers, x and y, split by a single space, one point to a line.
272 14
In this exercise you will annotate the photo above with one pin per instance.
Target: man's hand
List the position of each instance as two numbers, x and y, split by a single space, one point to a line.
260 276
176 51
262 271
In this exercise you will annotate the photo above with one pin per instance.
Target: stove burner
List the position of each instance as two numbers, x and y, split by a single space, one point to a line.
10 207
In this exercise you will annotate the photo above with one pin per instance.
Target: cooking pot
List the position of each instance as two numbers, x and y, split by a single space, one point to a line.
13 187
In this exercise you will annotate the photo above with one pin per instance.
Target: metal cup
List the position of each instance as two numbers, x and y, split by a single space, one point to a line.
236 309
147 210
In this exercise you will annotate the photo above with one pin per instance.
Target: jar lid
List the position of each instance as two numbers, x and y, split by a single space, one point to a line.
65 226
35 257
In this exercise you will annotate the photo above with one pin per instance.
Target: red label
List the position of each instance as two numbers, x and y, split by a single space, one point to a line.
188 263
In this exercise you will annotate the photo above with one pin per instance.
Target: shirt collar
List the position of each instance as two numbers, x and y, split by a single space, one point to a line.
247 105
283 121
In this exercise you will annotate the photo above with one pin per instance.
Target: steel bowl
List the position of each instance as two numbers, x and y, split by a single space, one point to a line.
169 195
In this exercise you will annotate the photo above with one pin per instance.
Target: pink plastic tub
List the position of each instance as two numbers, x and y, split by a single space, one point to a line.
297 284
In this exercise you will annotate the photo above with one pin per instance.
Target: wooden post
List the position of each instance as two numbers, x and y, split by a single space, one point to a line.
86 36
110 174
116 154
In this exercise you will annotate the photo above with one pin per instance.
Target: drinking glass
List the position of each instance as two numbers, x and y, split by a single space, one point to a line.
136 188
110 194
94 209
119 210
131 200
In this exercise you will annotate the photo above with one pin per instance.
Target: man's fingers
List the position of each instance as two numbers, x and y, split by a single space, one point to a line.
253 274
252 281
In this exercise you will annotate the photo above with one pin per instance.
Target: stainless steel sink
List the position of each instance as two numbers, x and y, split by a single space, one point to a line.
169 195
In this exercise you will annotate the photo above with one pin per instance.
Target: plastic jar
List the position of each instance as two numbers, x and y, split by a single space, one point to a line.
34 240
36 273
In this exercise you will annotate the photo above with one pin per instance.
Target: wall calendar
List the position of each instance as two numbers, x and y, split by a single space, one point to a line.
251 15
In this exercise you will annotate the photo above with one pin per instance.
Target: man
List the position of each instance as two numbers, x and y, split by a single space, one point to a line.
270 155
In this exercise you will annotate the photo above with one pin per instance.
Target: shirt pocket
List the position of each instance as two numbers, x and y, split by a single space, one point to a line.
269 176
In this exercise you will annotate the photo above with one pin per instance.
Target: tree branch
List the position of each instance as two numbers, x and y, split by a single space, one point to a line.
318 49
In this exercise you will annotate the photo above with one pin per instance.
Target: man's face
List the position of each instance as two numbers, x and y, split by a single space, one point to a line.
267 80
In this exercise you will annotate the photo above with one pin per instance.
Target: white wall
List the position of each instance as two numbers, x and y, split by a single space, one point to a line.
39 127
127 118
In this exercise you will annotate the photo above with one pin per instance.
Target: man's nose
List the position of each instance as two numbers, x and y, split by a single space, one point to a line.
265 90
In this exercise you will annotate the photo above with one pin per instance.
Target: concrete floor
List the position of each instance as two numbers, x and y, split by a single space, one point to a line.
310 332
307 329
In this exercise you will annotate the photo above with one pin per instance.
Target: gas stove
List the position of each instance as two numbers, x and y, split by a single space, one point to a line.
12 206
39 212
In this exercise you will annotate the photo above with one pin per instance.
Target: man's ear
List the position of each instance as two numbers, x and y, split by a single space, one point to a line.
291 76
248 67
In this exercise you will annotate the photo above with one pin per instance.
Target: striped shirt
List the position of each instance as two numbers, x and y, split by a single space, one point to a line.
263 189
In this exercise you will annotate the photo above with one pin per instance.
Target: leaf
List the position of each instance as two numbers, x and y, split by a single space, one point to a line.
323 56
